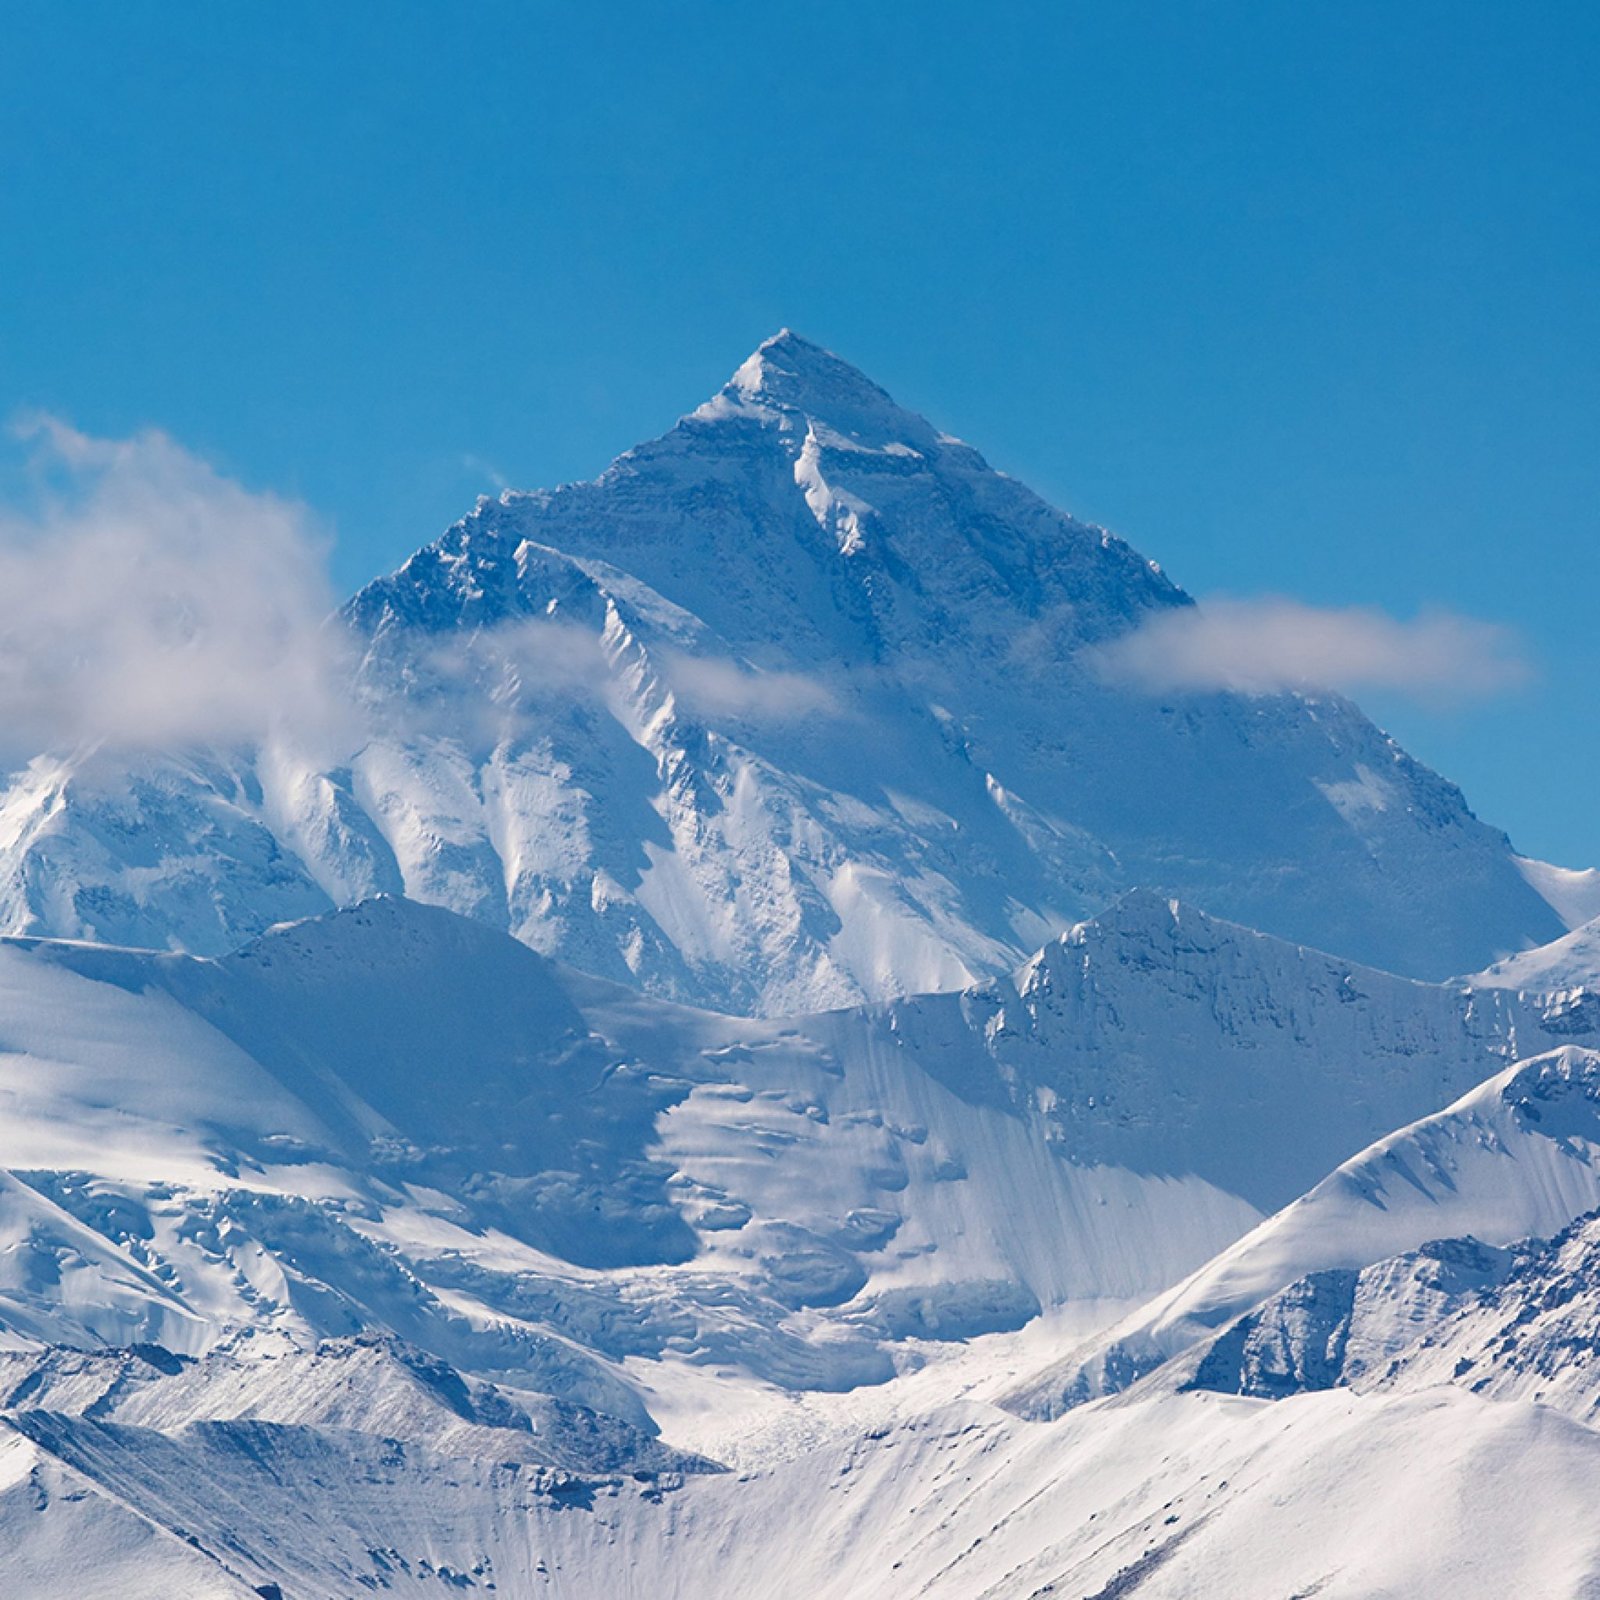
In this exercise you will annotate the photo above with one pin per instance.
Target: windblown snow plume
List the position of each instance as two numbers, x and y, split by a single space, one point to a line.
148 601
1270 645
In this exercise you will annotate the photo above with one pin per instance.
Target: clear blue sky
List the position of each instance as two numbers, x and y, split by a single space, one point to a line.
1300 299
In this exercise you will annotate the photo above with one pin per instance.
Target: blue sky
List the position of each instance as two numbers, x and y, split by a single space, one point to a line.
1301 300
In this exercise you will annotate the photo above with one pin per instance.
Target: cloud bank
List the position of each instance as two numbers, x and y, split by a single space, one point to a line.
1271 645
146 600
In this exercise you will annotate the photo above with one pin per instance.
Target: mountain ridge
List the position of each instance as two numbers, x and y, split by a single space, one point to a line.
789 708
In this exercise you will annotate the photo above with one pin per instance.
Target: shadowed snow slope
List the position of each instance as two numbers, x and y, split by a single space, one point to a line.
1518 1156
788 709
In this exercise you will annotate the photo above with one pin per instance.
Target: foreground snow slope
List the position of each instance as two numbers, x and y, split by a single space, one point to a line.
1330 1494
794 706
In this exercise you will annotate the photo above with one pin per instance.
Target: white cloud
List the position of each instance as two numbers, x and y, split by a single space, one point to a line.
499 682
486 470
146 600
1270 645
509 677
716 686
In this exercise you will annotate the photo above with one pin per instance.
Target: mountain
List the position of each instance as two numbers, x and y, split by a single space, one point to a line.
395 1118
1516 1157
1515 1322
796 706
1508 1308
763 1068
1525 1326
518 1257
1570 963
1328 1493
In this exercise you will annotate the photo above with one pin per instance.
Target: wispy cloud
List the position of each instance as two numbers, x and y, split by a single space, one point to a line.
528 668
146 600
487 471
1269 645
524 675
717 686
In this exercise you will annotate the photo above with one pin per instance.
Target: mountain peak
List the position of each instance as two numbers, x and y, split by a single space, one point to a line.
788 373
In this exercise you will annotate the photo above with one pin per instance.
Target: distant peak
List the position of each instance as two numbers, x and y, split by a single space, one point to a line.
791 374
788 339
790 370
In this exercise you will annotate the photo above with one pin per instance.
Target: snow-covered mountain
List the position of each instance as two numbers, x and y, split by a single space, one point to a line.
1518 1156
1509 1307
1570 965
765 1070
1327 1493
317 1135
388 1199
794 706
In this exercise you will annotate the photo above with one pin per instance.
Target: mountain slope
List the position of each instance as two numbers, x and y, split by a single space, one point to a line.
395 1119
792 707
1515 1157
386 1253
1335 1494
1570 963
